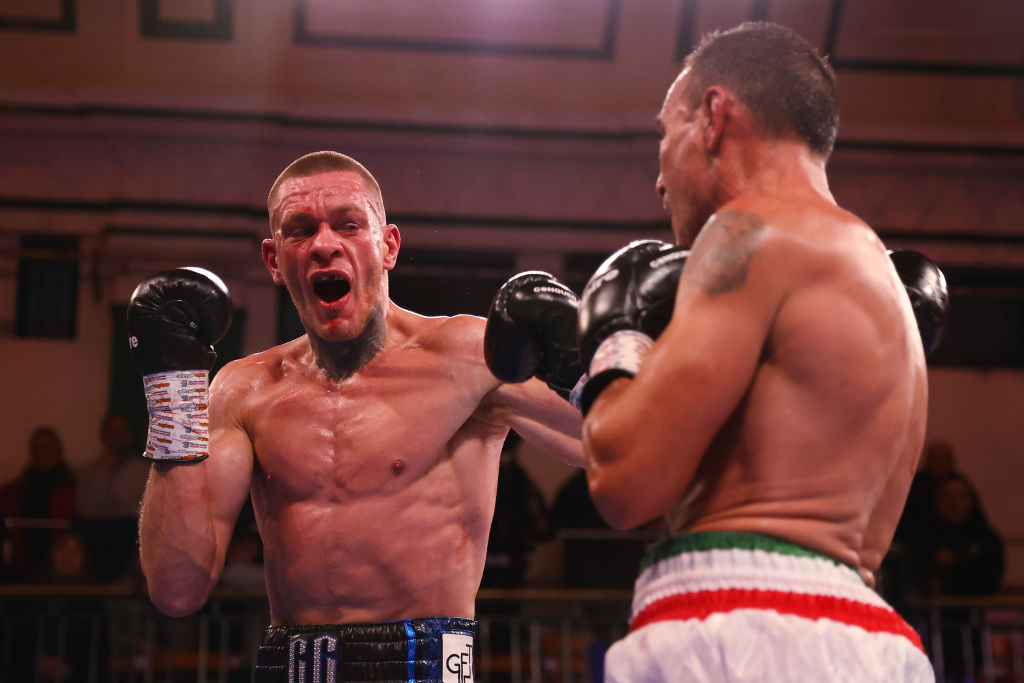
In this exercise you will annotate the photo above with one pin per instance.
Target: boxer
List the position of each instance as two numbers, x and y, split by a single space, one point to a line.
775 420
369 445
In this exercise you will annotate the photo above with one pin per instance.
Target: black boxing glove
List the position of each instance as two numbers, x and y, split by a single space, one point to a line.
174 318
626 304
531 332
929 297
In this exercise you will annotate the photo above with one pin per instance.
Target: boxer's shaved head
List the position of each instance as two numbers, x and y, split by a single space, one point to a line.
326 162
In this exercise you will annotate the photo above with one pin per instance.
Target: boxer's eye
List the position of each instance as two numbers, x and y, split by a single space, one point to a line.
331 287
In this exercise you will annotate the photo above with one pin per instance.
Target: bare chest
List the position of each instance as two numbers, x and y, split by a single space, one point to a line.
370 435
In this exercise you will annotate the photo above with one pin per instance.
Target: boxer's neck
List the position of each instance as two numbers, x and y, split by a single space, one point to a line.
341 359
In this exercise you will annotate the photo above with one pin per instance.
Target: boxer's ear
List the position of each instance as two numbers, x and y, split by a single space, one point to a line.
715 107
392 243
269 252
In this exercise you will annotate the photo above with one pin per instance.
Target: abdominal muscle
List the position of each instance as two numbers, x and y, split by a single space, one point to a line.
374 560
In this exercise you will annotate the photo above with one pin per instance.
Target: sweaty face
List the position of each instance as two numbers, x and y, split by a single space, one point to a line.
331 250
683 167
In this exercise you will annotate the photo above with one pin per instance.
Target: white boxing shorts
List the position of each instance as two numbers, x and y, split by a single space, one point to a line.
726 606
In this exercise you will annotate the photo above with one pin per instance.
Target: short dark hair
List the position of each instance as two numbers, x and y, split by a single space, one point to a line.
787 85
325 162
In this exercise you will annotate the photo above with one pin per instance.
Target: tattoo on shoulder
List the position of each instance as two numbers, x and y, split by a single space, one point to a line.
731 239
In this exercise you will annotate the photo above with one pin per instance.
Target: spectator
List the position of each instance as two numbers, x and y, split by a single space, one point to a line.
919 512
520 521
962 554
45 490
109 490
65 636
899 577
68 561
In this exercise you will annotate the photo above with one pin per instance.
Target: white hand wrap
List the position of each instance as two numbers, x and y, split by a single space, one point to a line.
623 351
576 395
178 415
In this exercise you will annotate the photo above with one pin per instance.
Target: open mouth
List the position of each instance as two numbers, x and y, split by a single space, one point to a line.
330 288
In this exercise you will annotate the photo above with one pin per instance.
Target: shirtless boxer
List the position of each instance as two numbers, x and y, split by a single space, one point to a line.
370 446
777 420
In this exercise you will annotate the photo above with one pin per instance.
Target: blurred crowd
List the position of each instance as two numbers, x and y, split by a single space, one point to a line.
64 525
943 546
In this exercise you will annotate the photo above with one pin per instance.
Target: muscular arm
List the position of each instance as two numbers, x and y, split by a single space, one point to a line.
189 510
543 418
644 437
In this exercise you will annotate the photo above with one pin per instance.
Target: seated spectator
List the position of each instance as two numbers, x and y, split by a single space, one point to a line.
937 462
44 490
68 562
109 490
899 579
961 554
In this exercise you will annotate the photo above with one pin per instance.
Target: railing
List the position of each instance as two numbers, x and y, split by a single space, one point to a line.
112 633
977 638
95 634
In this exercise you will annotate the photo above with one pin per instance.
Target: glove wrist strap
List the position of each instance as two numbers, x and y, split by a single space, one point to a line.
576 395
177 401
622 351
620 355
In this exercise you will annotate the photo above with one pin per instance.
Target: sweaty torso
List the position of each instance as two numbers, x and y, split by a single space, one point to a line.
374 495
824 443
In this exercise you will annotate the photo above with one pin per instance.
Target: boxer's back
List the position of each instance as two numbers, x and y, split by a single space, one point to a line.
823 445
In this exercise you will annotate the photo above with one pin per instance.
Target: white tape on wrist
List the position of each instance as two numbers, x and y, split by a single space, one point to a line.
576 395
624 350
178 415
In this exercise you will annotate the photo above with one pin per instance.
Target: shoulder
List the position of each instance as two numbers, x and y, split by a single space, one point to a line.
457 334
246 375
785 239
462 331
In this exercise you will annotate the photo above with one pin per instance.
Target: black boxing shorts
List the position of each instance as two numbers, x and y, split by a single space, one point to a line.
432 650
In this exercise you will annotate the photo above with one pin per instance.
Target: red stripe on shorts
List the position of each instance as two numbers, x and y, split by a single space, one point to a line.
701 604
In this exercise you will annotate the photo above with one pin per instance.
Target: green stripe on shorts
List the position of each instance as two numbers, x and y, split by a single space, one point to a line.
725 540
